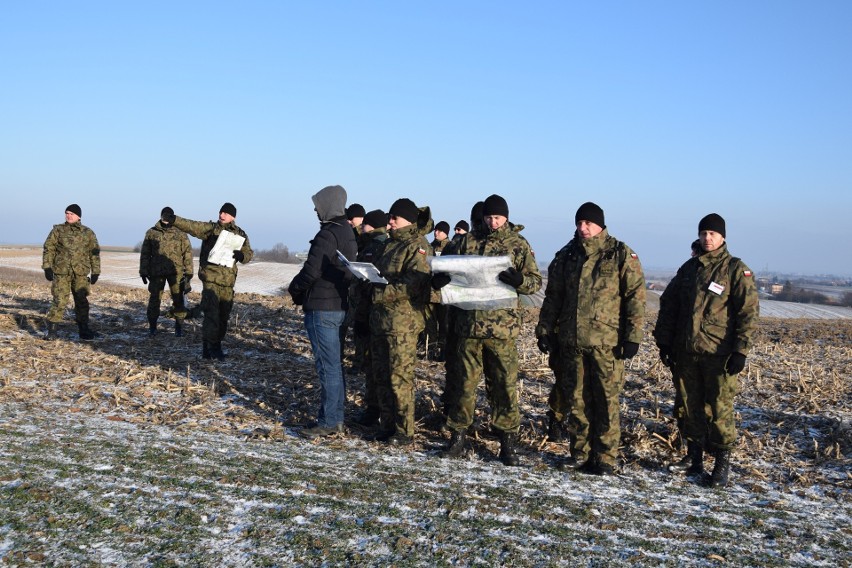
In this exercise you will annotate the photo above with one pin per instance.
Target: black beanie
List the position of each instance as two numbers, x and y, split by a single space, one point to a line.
166 213
589 211
229 209
406 209
495 205
476 213
463 225
75 209
712 222
443 226
376 219
355 210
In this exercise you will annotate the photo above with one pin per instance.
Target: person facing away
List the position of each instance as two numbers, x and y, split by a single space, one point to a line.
217 280
595 305
486 339
71 260
166 257
322 289
706 331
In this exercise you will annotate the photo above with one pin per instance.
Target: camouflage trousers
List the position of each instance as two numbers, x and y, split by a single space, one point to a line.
78 288
363 345
217 301
708 400
559 399
394 362
593 379
453 371
435 316
498 359
156 284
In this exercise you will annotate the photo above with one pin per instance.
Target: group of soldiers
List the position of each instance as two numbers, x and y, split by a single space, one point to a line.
590 322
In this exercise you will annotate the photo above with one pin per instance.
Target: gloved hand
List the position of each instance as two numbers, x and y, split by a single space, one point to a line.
93 278
736 363
169 219
666 356
187 283
440 279
239 256
48 273
511 277
629 349
544 344
144 278
361 328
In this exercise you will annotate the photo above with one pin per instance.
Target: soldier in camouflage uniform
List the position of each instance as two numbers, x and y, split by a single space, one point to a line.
72 261
436 313
705 332
375 233
217 294
396 317
595 304
487 338
166 256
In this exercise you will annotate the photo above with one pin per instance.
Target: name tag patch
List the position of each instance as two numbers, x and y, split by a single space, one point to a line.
716 288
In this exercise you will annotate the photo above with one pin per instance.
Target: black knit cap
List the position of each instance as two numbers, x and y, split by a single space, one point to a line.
406 209
591 212
75 209
495 205
443 226
462 225
355 210
229 209
712 222
476 213
166 213
376 219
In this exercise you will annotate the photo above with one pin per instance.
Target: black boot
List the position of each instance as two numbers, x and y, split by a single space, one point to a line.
86 333
692 463
178 328
721 469
205 350
370 417
572 464
554 428
508 451
51 331
152 327
216 351
457 444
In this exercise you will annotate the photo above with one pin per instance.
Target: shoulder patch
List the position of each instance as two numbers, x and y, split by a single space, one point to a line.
421 250
747 273
634 256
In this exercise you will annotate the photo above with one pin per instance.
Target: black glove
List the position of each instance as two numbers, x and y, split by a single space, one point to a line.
187 283
544 344
93 278
439 280
168 219
239 256
48 273
736 363
144 278
629 349
361 328
511 277
666 356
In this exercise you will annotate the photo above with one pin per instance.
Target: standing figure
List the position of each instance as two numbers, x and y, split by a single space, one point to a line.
322 289
595 306
166 256
435 334
217 293
706 331
72 261
396 317
487 339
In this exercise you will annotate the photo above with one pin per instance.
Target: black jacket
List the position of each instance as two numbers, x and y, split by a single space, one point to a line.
323 282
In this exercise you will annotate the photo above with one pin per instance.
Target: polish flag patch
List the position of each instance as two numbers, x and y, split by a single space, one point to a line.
634 256
421 251
747 273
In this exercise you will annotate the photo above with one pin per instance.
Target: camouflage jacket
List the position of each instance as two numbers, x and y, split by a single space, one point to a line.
505 241
595 294
397 308
166 251
439 246
208 232
360 292
72 248
710 307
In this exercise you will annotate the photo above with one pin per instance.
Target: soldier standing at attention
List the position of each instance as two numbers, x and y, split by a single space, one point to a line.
436 313
487 338
72 261
396 317
217 294
705 331
166 257
595 304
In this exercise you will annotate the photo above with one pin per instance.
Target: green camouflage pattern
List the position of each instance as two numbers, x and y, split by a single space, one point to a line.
708 393
72 248
439 246
156 284
394 361
166 251
208 232
78 287
217 301
559 399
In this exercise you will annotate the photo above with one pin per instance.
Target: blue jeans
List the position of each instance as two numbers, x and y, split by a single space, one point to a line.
323 329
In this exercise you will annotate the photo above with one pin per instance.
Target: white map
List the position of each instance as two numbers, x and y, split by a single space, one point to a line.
474 284
363 270
222 252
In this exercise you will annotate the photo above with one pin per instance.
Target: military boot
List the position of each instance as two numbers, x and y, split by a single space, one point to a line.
508 450
721 469
457 444
50 335
152 327
692 463
205 350
370 417
86 333
216 351
178 328
554 428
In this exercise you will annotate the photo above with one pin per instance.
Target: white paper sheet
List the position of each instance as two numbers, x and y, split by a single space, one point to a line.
222 252
474 284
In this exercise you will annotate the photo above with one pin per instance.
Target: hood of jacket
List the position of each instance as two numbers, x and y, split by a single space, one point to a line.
330 203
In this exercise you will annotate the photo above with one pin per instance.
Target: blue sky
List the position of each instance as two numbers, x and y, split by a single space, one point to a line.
660 112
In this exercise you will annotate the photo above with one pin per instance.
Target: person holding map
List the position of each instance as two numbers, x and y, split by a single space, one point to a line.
223 245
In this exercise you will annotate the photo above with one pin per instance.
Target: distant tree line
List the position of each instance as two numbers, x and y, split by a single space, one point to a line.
278 253
801 295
